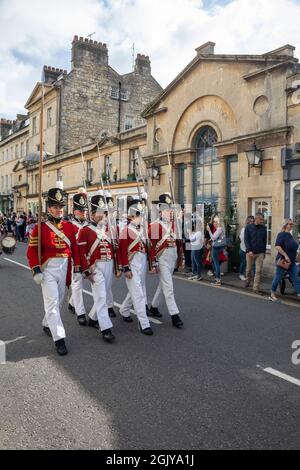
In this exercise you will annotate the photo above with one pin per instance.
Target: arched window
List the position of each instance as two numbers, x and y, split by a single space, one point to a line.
206 168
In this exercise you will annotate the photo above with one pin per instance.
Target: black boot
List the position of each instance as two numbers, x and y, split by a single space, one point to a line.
128 319
71 308
111 312
177 322
82 320
47 331
93 324
147 331
154 312
108 336
61 347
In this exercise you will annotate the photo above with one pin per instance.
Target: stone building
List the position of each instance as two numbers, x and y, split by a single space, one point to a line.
90 102
115 162
14 142
211 115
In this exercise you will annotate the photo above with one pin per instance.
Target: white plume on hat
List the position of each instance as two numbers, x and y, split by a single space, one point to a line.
100 193
145 196
59 185
107 194
82 191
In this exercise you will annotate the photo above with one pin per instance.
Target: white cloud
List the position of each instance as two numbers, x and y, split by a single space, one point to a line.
38 32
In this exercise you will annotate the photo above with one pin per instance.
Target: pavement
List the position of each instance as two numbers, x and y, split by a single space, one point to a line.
226 381
233 280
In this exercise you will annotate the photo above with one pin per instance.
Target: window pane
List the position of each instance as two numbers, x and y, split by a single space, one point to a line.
207 174
215 173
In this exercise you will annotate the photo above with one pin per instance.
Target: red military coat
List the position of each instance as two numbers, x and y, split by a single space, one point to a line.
131 242
52 246
162 237
94 245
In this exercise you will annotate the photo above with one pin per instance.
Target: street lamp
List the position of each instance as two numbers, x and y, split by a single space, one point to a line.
254 157
155 172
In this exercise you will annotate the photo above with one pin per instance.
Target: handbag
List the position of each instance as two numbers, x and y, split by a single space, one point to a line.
282 263
220 242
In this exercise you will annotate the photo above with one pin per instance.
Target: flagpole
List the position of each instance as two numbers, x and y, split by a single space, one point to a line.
41 176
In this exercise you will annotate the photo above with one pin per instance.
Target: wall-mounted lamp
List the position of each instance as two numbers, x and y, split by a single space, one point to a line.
255 158
155 173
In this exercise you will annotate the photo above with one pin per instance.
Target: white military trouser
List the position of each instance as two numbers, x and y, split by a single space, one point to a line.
167 263
109 298
53 289
103 274
128 304
76 299
137 288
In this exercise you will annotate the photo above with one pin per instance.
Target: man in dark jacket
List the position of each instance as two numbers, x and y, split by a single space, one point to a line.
256 247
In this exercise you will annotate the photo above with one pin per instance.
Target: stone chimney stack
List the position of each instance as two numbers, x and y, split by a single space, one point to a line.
5 126
51 74
142 65
86 52
206 49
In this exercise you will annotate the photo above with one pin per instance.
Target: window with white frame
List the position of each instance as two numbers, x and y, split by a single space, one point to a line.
129 121
89 174
124 95
264 205
114 92
133 160
59 175
108 166
49 117
34 126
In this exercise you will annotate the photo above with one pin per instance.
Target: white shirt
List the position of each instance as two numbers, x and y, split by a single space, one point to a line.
242 238
197 240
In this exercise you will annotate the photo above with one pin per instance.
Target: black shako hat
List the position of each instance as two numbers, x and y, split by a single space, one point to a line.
165 201
98 203
80 202
56 197
134 207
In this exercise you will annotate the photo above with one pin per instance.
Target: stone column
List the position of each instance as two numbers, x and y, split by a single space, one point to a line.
189 186
223 186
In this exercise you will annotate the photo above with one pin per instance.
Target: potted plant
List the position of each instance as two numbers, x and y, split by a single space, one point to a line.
131 177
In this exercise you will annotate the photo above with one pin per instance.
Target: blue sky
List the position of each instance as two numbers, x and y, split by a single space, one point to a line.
167 30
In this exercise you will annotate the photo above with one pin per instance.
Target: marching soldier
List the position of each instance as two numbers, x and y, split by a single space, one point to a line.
133 254
96 254
109 294
53 272
80 210
165 247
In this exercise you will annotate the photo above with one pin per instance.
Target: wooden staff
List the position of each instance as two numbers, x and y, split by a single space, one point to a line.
40 177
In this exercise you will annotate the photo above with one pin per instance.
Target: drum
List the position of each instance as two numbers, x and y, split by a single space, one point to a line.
8 245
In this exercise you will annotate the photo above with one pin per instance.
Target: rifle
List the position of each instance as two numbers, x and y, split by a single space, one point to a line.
144 218
179 241
114 248
84 184
41 176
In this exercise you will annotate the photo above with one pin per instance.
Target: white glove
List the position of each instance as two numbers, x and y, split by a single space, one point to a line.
38 278
77 277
